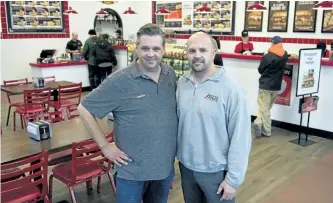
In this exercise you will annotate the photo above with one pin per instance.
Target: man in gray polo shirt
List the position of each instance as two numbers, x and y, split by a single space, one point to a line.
142 98
214 133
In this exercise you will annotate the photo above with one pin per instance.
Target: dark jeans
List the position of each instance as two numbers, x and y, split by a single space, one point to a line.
105 72
94 76
154 191
201 187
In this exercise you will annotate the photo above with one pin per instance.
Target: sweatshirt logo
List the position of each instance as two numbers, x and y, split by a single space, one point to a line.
211 97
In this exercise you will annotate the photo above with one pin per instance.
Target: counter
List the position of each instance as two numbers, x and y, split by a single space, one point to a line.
68 71
244 70
75 71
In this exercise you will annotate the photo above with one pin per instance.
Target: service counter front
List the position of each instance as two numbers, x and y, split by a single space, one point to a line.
244 70
75 71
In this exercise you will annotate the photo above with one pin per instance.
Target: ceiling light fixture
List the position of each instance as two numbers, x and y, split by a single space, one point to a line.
324 5
256 7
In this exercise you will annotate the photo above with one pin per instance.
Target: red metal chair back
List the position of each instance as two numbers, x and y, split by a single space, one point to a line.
84 156
35 175
10 83
70 92
36 98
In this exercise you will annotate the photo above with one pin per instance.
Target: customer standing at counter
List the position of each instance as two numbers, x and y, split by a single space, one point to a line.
325 53
245 45
89 55
271 69
74 45
214 131
142 98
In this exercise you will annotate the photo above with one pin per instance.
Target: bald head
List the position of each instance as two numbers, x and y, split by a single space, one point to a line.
201 50
75 35
202 36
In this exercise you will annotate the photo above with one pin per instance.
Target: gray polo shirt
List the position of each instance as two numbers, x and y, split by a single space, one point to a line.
145 119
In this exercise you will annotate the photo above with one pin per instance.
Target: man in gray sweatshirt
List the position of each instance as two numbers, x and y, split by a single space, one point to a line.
214 131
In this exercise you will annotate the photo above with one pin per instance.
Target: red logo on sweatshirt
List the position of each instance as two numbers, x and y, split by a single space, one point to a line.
211 97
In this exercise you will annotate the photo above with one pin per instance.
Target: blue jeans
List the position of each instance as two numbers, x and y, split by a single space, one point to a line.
154 191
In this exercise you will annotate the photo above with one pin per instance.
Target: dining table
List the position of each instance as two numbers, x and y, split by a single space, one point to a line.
17 145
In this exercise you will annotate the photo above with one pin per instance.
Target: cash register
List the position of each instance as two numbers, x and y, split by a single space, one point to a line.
46 56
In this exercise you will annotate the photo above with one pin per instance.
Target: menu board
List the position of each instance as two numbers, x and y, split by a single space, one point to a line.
35 16
253 19
184 15
278 16
305 16
327 26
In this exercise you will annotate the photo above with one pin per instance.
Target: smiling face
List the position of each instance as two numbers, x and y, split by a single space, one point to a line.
150 51
200 52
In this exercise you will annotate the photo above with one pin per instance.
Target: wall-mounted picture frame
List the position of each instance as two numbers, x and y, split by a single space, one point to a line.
253 19
184 19
304 16
35 16
327 22
278 16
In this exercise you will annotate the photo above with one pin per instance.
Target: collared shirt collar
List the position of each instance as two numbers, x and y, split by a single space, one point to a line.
215 77
136 72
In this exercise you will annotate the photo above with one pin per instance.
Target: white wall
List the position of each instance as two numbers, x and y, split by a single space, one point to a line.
228 46
18 53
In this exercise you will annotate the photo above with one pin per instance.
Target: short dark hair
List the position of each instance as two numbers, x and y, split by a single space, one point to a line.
105 36
150 30
92 32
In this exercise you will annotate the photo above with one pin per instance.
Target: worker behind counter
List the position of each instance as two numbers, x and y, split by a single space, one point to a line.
245 45
74 45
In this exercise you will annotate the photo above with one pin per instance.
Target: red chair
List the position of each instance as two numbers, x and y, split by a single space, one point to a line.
36 105
25 188
83 168
12 103
69 97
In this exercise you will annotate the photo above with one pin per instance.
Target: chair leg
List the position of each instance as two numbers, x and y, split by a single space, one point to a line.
8 114
112 182
99 184
71 191
46 199
21 117
89 187
14 123
50 187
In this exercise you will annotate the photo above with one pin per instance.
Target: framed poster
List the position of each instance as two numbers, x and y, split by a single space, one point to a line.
253 19
305 16
184 17
278 16
35 16
284 96
308 71
327 26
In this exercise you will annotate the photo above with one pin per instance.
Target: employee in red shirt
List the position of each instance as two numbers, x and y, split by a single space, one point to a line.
245 45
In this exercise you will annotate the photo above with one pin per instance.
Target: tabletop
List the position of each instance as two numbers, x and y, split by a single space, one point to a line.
20 88
16 145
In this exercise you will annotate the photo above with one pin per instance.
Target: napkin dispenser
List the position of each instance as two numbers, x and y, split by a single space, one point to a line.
39 130
38 82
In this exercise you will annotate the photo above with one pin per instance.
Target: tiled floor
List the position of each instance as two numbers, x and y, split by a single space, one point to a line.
274 162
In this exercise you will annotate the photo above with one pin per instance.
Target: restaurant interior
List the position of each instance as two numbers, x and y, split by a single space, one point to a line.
294 165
